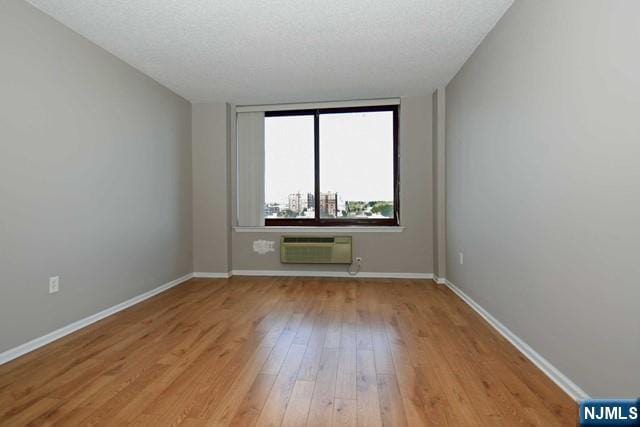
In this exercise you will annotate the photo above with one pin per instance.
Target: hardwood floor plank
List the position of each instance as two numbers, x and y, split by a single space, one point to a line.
380 346
346 376
227 404
25 415
321 409
253 402
334 330
368 403
276 403
281 348
391 407
297 410
422 405
363 331
344 413
311 362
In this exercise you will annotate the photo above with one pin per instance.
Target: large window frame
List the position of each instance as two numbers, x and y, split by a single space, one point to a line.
333 222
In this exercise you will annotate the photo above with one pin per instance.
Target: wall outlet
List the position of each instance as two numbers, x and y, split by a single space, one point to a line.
54 284
461 256
359 260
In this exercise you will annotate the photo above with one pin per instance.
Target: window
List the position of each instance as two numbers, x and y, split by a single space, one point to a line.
289 164
334 166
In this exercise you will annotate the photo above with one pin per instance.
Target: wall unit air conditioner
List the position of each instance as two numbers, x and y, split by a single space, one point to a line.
315 250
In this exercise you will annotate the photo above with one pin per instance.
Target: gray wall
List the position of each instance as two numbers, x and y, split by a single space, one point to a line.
543 184
408 252
95 178
211 198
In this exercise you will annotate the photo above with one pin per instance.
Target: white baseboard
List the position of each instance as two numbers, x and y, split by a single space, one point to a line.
66 330
569 387
439 280
316 273
212 275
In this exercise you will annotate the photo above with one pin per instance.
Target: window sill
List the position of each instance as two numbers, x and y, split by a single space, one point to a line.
340 229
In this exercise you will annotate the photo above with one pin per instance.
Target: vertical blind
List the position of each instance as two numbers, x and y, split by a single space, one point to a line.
250 152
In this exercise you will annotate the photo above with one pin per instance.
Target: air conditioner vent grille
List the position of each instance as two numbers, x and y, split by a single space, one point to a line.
308 239
307 254
315 250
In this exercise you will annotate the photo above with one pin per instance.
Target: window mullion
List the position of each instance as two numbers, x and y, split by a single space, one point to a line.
316 139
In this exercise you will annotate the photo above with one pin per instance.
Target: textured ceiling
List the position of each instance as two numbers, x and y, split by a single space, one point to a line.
257 51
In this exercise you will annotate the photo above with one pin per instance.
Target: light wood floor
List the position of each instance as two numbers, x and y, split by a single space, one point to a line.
290 351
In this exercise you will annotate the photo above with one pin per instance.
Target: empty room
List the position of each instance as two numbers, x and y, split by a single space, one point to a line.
320 213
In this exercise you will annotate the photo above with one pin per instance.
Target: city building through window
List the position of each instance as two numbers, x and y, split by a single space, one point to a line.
336 166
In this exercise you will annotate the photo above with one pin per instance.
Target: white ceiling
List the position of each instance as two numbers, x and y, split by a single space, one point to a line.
258 51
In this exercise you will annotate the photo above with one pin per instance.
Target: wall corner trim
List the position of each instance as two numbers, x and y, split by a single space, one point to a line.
36 343
568 386
206 275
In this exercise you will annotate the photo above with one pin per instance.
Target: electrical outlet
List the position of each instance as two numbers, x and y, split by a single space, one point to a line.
359 259
54 284
461 255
